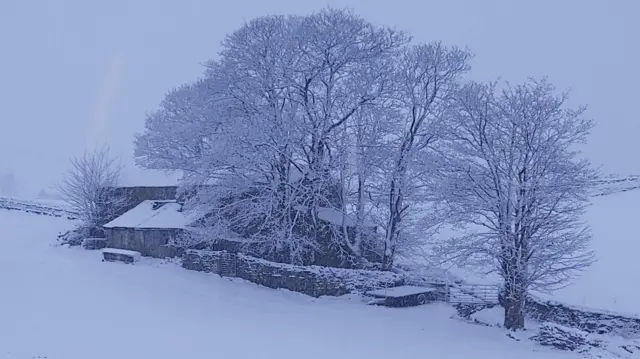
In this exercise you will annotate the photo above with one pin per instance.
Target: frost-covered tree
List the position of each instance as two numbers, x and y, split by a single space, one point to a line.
361 153
183 132
258 187
340 97
281 90
426 77
516 179
87 188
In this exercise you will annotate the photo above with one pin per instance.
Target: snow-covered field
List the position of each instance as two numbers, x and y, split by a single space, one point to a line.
64 303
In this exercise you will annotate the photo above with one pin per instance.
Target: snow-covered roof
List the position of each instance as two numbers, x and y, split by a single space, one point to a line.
336 217
295 174
153 214
401 291
138 177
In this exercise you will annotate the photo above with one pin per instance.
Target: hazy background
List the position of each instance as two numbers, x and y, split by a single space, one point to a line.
78 73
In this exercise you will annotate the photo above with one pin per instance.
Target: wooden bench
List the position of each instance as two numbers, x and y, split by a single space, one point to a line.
94 243
120 255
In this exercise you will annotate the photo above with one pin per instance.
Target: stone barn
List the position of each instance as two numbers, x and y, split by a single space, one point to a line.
149 227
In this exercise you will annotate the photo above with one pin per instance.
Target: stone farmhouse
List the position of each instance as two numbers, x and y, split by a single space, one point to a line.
153 219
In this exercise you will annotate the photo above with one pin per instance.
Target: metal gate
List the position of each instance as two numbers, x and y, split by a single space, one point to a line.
473 294
228 265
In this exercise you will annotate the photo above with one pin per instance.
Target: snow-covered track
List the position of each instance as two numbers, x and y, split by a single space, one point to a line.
45 209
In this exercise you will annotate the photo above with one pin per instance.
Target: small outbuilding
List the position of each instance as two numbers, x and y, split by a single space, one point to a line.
149 227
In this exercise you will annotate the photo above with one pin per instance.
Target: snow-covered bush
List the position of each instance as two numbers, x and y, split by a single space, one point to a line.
561 337
75 236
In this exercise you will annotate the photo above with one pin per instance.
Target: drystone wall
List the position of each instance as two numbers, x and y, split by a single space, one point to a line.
586 319
311 280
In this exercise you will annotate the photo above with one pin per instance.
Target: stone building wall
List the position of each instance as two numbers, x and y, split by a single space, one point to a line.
149 242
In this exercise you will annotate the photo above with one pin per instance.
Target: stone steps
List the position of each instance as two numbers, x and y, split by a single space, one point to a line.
120 255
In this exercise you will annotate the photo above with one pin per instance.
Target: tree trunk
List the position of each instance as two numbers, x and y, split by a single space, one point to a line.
513 303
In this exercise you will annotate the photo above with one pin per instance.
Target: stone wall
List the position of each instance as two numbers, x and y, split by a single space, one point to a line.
588 320
201 261
149 242
311 280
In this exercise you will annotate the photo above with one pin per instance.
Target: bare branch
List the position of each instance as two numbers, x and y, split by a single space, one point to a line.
87 187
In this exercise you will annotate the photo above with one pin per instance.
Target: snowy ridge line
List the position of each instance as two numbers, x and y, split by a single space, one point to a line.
614 184
604 186
33 207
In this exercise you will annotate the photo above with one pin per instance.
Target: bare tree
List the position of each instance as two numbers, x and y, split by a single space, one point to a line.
359 158
260 194
427 77
516 179
88 187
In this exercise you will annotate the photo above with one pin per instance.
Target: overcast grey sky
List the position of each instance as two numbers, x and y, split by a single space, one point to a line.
75 73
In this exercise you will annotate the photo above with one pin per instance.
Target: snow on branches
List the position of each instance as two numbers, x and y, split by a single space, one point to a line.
326 136
514 176
86 187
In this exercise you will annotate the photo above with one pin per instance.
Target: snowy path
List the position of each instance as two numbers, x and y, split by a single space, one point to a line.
66 304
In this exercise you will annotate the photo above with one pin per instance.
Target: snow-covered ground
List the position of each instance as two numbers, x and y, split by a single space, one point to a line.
62 303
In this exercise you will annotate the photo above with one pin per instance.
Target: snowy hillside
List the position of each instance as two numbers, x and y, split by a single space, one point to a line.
616 184
64 303
54 208
611 282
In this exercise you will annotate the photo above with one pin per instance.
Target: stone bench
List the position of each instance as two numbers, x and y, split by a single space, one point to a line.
120 255
94 243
